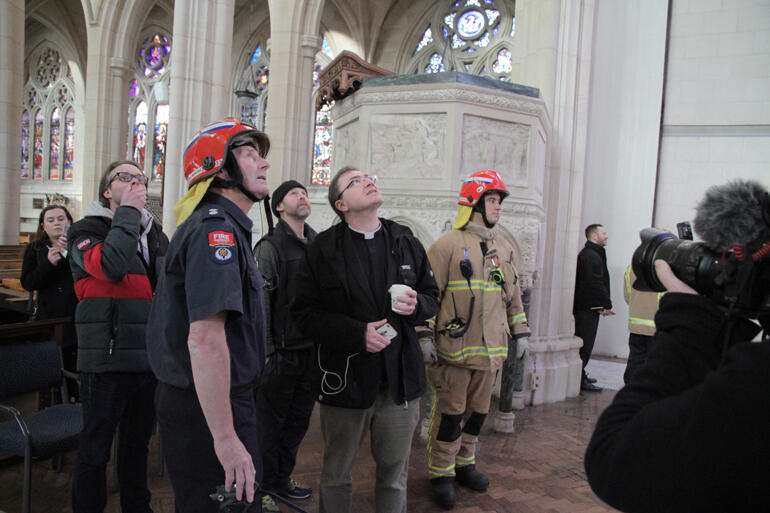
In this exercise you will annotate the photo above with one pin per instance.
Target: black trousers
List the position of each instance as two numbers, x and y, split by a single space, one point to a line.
586 324
188 447
114 401
285 401
638 348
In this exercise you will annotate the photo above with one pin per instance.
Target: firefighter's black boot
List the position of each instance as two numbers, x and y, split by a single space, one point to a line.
443 491
468 476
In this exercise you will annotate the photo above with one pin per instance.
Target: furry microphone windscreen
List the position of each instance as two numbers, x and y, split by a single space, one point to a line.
734 212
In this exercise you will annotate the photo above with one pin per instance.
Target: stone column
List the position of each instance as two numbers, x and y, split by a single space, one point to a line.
200 85
556 40
11 85
106 105
290 114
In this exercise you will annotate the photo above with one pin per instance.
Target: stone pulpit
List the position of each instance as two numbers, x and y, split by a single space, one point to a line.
423 134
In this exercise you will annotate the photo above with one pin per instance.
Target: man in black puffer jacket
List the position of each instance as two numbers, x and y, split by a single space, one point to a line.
113 254
368 376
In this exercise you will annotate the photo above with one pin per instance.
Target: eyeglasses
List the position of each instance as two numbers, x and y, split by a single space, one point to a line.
358 180
126 177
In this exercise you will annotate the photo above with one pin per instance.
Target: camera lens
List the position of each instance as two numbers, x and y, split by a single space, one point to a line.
692 262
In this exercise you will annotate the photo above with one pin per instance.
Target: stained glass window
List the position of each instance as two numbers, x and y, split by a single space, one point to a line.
55 142
159 141
257 54
262 79
427 38
327 49
47 117
322 146
140 133
154 55
264 115
38 146
503 62
473 33
133 89
25 144
483 42
249 113
69 142
435 65
147 127
471 24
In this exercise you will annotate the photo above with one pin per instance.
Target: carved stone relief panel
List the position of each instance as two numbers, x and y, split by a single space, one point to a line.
497 145
407 145
345 146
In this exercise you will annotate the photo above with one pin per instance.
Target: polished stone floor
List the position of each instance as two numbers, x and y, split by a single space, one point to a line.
538 468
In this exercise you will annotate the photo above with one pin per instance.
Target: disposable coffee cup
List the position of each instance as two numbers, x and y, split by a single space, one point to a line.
397 290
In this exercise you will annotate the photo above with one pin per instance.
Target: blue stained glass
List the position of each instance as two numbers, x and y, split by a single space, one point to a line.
513 27
435 65
492 16
257 54
449 20
446 33
471 24
496 30
458 2
470 49
473 2
490 2
427 38
327 49
456 41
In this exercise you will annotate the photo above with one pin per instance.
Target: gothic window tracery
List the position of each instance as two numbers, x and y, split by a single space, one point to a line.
147 119
251 91
47 147
472 36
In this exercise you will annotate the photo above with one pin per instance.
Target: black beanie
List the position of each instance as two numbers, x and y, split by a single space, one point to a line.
281 191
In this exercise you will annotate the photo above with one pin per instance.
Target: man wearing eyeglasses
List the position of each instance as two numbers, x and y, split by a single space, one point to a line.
113 253
368 371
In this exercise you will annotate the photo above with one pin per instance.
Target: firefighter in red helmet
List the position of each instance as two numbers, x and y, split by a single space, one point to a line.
480 309
206 331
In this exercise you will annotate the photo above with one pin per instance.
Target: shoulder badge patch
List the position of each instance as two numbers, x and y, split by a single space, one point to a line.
83 244
220 238
221 246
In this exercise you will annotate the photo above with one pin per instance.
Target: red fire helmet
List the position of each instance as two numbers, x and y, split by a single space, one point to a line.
205 154
477 184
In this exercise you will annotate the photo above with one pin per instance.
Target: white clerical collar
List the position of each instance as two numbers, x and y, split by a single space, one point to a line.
367 235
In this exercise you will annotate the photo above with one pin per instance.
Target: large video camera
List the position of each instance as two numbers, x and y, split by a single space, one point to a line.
732 265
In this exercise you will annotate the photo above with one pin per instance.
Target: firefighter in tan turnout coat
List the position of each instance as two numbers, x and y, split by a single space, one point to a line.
480 308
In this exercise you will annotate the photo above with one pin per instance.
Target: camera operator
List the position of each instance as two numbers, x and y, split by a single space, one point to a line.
690 431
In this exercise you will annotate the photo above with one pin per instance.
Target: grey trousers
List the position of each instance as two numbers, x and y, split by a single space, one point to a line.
391 427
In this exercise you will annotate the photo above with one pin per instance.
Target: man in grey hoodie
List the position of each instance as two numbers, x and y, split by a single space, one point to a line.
113 253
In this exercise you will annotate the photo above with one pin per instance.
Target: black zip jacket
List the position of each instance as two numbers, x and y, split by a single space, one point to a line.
592 280
330 307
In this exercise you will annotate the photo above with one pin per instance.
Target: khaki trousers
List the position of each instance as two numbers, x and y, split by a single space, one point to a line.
391 427
460 393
